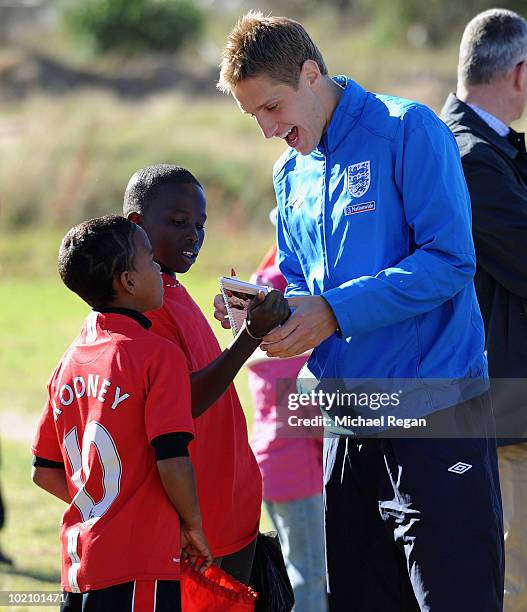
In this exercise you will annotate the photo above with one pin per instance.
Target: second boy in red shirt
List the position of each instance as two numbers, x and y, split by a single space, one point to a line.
169 203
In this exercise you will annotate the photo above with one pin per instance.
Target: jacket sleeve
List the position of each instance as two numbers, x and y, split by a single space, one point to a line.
288 262
499 216
441 262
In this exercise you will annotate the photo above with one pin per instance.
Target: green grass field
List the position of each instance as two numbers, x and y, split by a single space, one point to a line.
67 157
38 318
98 140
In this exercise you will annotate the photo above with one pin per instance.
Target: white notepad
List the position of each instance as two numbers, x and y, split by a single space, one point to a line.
236 295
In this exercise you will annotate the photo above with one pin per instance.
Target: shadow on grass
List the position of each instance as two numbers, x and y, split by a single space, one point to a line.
30 573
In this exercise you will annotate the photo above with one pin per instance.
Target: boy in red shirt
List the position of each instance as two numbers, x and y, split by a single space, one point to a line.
112 440
169 203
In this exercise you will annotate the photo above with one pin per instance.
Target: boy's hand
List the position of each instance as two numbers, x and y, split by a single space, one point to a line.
194 547
265 312
220 312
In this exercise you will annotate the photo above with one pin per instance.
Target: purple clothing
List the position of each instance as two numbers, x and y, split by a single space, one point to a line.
291 467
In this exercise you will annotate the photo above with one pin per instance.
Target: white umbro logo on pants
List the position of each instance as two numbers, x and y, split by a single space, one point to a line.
459 467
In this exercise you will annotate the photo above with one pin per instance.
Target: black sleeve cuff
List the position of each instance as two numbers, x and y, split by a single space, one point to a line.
168 446
47 463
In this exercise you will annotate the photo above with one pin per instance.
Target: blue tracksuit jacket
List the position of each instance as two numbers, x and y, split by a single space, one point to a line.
377 220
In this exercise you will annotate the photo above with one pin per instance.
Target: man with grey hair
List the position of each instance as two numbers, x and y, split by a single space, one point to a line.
491 93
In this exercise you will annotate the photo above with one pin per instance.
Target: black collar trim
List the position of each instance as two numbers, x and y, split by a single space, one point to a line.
128 312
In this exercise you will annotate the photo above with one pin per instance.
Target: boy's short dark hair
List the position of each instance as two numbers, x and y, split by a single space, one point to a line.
142 187
93 253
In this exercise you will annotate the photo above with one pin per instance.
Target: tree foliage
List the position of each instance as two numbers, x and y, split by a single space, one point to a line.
134 25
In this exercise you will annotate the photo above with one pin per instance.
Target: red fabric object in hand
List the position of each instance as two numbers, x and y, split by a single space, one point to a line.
214 591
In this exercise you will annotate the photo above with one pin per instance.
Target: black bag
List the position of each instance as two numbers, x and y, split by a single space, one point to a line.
269 577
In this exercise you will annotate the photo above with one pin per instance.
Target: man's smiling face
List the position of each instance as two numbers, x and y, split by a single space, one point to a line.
296 115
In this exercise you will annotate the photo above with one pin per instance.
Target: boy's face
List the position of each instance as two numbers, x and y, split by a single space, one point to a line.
296 115
146 275
175 224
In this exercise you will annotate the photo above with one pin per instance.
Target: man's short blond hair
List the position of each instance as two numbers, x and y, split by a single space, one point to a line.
274 46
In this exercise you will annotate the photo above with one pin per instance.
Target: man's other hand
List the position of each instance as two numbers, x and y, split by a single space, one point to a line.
220 312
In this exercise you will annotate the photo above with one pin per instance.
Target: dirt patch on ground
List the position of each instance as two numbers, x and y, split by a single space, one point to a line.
24 73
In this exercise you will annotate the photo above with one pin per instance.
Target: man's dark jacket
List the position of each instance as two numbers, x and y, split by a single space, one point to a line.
496 173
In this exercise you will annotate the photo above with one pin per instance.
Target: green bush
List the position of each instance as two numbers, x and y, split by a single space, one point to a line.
134 25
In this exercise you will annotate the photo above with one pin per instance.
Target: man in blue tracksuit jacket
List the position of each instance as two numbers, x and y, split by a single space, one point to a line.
374 237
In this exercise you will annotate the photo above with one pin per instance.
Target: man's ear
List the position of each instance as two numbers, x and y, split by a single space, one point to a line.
125 283
311 72
521 76
135 217
516 76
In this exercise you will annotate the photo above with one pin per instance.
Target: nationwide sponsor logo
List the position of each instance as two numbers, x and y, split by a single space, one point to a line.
359 178
354 209
460 467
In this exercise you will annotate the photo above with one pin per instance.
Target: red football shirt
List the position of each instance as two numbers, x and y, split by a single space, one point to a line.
116 388
227 476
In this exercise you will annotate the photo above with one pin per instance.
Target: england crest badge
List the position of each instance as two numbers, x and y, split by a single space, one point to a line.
359 178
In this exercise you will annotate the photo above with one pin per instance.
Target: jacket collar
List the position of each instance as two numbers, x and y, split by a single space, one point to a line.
457 111
346 114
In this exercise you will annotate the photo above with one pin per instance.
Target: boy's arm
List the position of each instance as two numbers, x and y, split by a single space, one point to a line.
48 471
52 480
211 382
169 428
177 476
208 384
